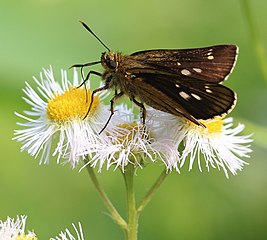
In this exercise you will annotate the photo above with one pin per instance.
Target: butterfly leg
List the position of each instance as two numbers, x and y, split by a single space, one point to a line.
94 92
143 110
112 101
143 118
105 87
83 83
87 77
90 72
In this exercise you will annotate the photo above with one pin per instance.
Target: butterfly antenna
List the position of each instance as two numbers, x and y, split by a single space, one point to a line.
90 31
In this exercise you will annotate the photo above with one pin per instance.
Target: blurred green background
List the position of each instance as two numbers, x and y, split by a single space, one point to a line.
192 205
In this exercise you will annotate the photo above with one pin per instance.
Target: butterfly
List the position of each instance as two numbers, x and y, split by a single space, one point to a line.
182 82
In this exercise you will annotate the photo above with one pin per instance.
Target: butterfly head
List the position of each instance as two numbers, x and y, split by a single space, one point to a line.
109 60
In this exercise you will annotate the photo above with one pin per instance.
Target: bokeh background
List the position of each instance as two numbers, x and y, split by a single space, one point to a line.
192 205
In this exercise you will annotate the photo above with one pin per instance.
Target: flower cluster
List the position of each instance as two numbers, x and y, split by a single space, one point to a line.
12 229
60 125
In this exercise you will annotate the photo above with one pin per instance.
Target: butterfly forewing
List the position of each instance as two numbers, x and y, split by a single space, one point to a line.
211 64
193 99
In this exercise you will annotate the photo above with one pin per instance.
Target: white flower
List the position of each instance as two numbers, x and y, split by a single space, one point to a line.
219 144
129 142
12 229
68 236
56 119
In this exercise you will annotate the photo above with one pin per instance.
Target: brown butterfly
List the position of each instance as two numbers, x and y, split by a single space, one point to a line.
183 82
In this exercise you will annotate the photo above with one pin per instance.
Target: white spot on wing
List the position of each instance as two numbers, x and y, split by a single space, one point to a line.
210 57
179 64
196 96
208 90
184 95
185 72
198 70
210 52
177 85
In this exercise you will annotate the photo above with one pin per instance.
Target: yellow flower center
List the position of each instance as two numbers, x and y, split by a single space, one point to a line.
126 131
72 104
128 126
213 126
25 237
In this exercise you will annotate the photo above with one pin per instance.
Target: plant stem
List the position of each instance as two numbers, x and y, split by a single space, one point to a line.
151 192
112 210
130 229
132 213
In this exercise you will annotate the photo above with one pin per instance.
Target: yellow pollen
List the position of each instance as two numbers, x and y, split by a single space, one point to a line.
128 126
72 104
127 131
25 237
213 126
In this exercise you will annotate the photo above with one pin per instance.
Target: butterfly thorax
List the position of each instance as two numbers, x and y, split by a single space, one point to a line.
115 74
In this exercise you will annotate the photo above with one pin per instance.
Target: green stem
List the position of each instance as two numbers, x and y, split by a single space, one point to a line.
132 214
151 192
112 210
257 43
130 229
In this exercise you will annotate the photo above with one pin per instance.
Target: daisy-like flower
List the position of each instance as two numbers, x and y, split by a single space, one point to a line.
12 229
66 235
219 143
57 119
130 142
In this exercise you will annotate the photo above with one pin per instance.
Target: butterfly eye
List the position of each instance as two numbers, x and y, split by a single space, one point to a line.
111 62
